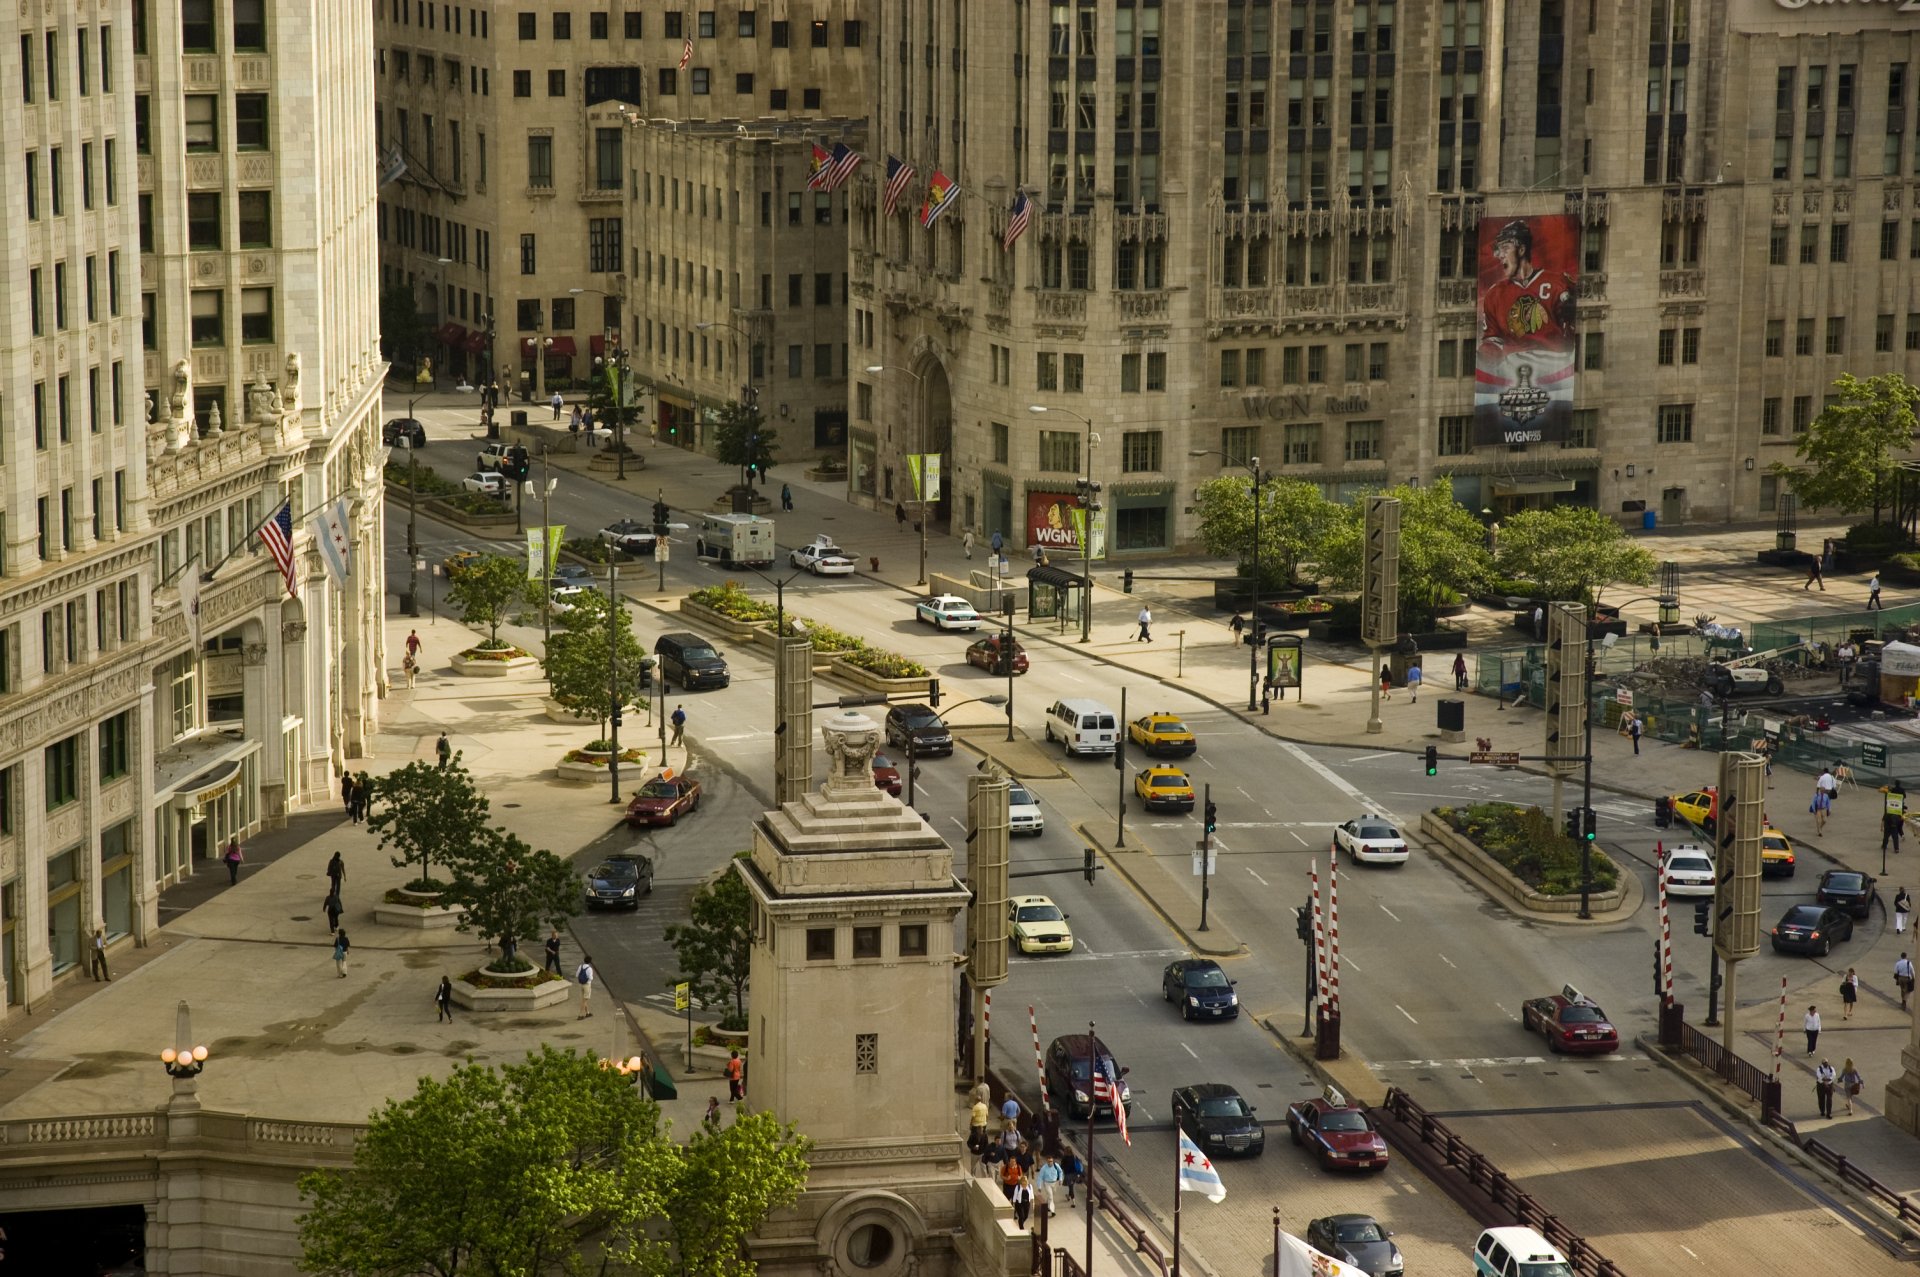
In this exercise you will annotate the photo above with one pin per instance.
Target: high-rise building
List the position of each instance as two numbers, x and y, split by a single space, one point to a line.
193 344
1553 251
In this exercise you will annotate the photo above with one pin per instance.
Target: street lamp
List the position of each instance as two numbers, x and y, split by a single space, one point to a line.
1089 506
545 492
1251 466
920 484
913 753
439 304
615 607
613 353
749 394
183 1062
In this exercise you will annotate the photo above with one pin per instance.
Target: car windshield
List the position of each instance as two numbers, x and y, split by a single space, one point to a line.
1690 864
1773 842
1581 1015
1208 978
1376 831
1344 1120
617 871
1223 1106
1804 916
1170 782
1080 1067
1038 913
1364 1230
922 720
1844 882
660 789
1018 797
699 652
880 761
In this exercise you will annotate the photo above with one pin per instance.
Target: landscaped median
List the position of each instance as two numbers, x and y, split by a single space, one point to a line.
1518 852
846 657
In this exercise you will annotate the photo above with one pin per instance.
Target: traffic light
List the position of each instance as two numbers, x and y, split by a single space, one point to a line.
933 692
1433 760
1086 864
1573 823
1659 987
1588 822
1703 917
660 514
1303 922
1213 817
616 714
1126 581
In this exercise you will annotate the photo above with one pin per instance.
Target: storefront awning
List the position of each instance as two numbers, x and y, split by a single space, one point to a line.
1048 575
197 791
451 334
476 342
562 347
1522 485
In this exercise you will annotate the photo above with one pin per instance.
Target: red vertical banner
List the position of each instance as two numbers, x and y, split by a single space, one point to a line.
1524 367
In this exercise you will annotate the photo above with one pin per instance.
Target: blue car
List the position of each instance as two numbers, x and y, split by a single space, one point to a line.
1201 988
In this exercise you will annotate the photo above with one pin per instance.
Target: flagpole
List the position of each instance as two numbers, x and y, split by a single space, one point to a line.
246 542
1093 1109
1179 1163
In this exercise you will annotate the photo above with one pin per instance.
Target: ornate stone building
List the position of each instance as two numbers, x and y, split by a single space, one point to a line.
1256 233
177 236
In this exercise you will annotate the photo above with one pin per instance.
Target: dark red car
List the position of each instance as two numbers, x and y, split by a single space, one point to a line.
986 653
1340 1134
1571 1023
663 802
885 775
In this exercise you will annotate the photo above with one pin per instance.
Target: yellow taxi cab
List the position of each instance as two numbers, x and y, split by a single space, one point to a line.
1776 854
1161 735
1699 808
1164 789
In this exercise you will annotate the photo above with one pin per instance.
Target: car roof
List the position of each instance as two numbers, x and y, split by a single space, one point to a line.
1525 1243
1842 873
911 707
1211 1090
1199 964
1805 910
1031 900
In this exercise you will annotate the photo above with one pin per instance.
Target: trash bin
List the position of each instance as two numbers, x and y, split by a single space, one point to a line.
1452 715
1663 812
518 417
1649 519
409 605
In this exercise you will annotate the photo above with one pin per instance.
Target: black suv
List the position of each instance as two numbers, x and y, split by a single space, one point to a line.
689 660
930 735
403 432
618 882
1069 1079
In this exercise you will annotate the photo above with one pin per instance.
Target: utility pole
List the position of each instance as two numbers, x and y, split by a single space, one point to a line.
413 517
615 608
546 556
1379 590
1253 647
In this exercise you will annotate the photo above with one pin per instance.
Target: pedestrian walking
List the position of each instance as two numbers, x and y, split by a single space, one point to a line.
1009 1173
1413 683
584 978
1892 826
1823 1080
1235 627
413 643
1539 622
559 405
443 750
365 789
410 666
1022 1200
966 542
711 1118
1902 906
1634 730
1849 993
1822 804
1386 682
553 950
1812 1025
1460 675
234 856
1072 1170
1873 593
332 905
97 956
1851 1082
679 721
786 499
346 792
573 422
1827 785
1145 620
443 998
1814 576
1903 978
336 872
341 947
1047 1179
899 514
736 1077
977 1125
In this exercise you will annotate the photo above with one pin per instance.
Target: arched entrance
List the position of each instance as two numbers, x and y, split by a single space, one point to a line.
933 436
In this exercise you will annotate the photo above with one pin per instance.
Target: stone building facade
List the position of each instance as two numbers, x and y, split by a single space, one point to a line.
1256 232
194 342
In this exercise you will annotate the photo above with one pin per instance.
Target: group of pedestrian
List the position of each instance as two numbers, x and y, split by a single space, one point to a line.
356 792
1849 1080
1031 1179
336 875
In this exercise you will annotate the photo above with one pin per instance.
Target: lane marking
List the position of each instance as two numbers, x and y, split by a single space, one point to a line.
1396 917
1503 1061
1403 1011
1444 958
1189 1050
1257 878
1297 838
958 823
1367 758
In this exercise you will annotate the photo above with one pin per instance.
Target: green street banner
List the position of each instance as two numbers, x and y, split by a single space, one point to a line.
543 543
925 467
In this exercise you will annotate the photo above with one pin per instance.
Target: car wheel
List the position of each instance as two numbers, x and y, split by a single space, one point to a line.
1773 685
1826 947
1553 1048
1186 1011
1326 1160
1707 824
673 818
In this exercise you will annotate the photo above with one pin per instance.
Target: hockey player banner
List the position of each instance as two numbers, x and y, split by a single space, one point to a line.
1524 373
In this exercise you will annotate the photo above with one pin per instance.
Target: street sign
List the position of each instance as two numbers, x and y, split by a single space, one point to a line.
660 548
1873 756
1623 696
682 995
1502 758
1212 862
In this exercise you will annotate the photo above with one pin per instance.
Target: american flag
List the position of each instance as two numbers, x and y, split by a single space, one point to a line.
1106 1090
899 174
1018 223
845 160
686 53
820 169
277 535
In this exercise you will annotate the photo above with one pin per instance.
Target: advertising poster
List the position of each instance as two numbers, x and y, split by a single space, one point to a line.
1524 373
1052 522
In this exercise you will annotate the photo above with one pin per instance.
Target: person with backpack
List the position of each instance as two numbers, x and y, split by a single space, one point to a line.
584 977
233 859
341 947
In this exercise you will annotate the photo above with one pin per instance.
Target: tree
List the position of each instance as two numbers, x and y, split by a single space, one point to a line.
485 591
1294 518
401 332
1573 552
509 889
576 659
716 945
552 1166
1443 549
429 814
741 437
1850 452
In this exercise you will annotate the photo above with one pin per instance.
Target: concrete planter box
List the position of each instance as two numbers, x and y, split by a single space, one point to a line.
1518 894
607 459
822 660
470 667
558 713
870 682
398 498
595 772
429 917
738 631
547 993
825 474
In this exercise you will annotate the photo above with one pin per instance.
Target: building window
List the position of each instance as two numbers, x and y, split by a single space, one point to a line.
998 432
1889 241
557 83
209 317
116 746
1060 451
1809 243
913 939
866 942
1073 373
529 23
256 219
63 772
1802 413
203 221
1363 441
702 78
540 162
250 121
1046 370
1675 423
1803 337
1140 451
1838 243
866 1053
563 26
1237 444
1301 446
523 84
607 161
1689 345
196 26
1883 334
529 255
1666 346
1456 434
256 315
1836 334
1770 416
202 123
1777 246
1776 338
1594 356
669 80
820 944
1157 370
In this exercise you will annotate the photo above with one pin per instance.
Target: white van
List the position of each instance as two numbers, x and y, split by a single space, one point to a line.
1083 726
1517 1252
735 540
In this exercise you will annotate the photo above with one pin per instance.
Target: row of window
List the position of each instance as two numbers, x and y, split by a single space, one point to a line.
674 26
201 117
62 759
62 310
420 13
1834 342
438 237
1303 365
58 409
56 177
207 311
84 39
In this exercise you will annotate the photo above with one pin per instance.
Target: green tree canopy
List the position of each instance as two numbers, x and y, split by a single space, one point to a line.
1848 455
428 814
486 590
552 1167
1294 518
1573 552
509 889
741 437
1443 549
576 658
716 944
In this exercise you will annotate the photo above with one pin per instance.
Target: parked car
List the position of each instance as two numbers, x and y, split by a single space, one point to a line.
630 537
491 482
1812 929
1036 925
618 882
1162 735
822 558
1689 871
1067 1073
1846 889
947 612
403 432
1201 988
1570 1022
1359 1240
574 574
986 653
930 735
663 801
1340 1134
1215 1118
1370 841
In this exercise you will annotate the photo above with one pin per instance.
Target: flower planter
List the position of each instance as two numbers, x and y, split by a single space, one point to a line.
593 765
558 713
1504 881
471 665
738 630
535 996
420 910
867 681
726 1039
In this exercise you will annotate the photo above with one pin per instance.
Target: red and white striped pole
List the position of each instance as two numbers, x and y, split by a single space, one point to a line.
1666 930
1333 935
1780 1032
1033 1022
1319 937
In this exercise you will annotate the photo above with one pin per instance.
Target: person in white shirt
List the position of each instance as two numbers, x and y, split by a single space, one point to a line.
1903 976
1812 1025
1823 1079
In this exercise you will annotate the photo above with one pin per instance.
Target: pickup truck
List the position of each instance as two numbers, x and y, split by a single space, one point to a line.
492 454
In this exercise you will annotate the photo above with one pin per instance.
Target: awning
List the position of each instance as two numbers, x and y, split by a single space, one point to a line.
1521 485
208 785
561 347
451 334
476 341
596 343
1045 574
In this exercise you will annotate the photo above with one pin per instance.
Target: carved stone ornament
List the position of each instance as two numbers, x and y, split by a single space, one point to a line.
253 654
294 632
291 391
851 740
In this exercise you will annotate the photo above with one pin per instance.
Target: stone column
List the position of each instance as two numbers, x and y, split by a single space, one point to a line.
793 713
265 709
1902 1102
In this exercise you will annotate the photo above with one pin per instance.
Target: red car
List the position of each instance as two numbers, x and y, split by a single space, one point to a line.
986 654
1340 1134
1570 1022
885 775
663 801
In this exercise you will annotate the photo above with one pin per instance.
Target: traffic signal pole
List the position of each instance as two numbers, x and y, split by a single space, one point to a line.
1206 849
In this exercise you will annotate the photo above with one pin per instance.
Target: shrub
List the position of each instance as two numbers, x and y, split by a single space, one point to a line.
1877 538
427 483
591 549
825 637
884 664
488 651
732 602
1526 843
1907 561
476 503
